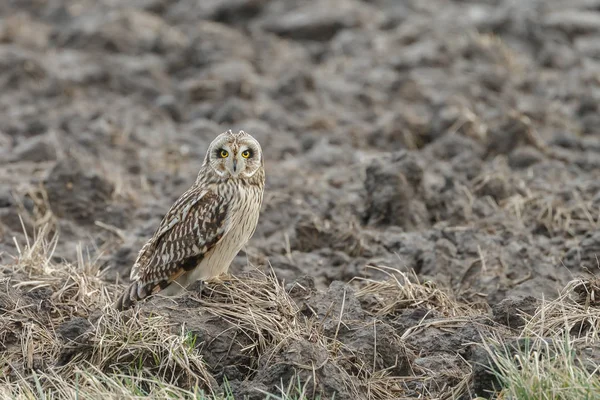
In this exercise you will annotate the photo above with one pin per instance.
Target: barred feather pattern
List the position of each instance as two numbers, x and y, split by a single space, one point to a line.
198 237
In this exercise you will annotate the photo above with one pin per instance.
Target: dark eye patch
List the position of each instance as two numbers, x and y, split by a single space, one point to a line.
219 151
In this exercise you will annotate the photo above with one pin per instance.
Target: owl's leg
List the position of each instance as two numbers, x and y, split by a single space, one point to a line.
174 289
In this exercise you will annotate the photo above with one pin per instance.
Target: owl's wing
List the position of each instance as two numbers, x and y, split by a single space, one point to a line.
193 226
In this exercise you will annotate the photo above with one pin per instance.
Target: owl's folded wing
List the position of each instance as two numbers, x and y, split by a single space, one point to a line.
191 228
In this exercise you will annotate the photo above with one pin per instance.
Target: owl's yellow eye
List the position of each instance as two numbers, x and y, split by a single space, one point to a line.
246 153
223 153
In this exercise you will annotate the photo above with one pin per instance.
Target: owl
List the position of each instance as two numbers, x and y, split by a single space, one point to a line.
207 226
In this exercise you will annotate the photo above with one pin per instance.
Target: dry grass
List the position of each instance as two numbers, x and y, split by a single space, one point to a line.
550 210
91 383
387 299
138 351
402 291
258 306
574 312
146 352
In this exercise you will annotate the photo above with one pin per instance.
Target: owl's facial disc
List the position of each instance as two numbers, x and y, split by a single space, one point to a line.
235 155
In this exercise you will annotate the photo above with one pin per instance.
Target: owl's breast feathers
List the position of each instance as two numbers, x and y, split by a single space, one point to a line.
193 226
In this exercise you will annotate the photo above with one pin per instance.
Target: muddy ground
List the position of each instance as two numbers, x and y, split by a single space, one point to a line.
456 139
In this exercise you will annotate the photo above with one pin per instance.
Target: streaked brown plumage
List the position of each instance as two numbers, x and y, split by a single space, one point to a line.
207 226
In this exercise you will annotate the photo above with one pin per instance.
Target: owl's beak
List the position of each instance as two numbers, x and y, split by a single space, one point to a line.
234 165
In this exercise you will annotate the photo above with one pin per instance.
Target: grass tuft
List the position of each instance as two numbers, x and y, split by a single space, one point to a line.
544 370
550 358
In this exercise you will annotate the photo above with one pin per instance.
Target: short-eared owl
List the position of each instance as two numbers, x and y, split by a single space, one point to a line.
207 226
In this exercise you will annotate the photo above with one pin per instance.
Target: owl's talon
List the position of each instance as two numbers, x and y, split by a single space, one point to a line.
196 287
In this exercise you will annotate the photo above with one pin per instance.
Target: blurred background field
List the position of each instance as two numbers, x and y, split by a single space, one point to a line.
426 161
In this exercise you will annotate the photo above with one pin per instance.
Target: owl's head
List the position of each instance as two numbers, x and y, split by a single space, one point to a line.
234 155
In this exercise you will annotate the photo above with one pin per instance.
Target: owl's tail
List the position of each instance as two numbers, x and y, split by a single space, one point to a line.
137 291
130 296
